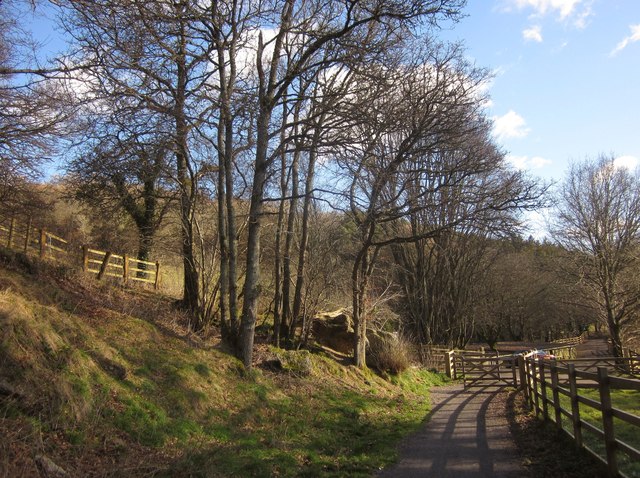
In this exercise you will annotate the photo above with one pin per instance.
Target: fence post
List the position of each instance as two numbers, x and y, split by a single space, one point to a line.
125 269
534 389
575 407
449 364
156 283
523 376
607 420
464 373
531 391
543 391
556 394
12 227
27 235
43 243
105 263
85 258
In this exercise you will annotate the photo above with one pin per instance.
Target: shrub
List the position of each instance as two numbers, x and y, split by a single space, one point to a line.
389 353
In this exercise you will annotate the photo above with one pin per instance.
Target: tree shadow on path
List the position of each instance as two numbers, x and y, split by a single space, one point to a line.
466 435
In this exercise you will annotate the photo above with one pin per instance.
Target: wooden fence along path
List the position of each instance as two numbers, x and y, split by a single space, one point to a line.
105 263
580 395
25 237
564 394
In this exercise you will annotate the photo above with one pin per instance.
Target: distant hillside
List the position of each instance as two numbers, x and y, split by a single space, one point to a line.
100 381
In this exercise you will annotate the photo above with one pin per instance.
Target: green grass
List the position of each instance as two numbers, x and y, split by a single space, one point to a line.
328 432
105 387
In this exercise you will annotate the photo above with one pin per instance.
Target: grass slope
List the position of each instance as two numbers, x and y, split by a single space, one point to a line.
106 382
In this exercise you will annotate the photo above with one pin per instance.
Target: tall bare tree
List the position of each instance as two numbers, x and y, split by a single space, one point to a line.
33 108
152 56
598 221
316 27
424 152
124 165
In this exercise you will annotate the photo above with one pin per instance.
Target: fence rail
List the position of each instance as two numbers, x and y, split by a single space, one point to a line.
25 237
559 391
496 370
580 339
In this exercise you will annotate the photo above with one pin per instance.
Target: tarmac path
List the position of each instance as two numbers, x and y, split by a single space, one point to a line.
467 436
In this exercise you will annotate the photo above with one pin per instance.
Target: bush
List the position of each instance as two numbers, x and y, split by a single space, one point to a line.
389 353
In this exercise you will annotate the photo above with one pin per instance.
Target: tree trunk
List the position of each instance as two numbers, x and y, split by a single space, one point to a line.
289 318
191 291
277 296
223 238
304 239
252 278
358 288
278 305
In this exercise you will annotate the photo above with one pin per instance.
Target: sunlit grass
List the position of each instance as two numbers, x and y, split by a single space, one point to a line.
109 376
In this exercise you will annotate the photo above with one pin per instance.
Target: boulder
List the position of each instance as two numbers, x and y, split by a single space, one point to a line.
335 330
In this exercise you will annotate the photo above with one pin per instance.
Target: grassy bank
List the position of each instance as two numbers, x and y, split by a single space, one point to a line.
105 381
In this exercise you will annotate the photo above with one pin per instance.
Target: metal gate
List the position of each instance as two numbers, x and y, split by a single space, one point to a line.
484 371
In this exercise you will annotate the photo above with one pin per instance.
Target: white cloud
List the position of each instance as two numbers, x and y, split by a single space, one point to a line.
510 125
538 162
534 34
525 162
582 19
634 37
629 162
564 8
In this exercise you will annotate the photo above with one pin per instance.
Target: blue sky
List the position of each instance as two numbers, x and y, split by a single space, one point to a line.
567 78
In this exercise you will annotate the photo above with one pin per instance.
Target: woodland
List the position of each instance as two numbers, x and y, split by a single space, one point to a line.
286 158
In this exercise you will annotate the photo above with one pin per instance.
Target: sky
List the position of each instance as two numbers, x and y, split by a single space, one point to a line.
566 79
566 82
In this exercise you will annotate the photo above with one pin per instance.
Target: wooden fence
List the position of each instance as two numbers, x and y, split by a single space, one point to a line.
446 360
488 370
106 263
25 237
560 393
580 339
434 357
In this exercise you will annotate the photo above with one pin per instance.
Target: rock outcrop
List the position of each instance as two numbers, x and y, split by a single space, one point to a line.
335 330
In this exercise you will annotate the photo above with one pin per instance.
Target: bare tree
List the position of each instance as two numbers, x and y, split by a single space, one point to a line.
151 56
598 222
425 152
124 165
33 109
317 27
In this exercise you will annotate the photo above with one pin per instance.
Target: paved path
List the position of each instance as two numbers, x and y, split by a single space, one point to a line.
467 436
593 348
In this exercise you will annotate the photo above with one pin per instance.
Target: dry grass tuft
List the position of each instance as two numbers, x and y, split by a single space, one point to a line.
390 353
